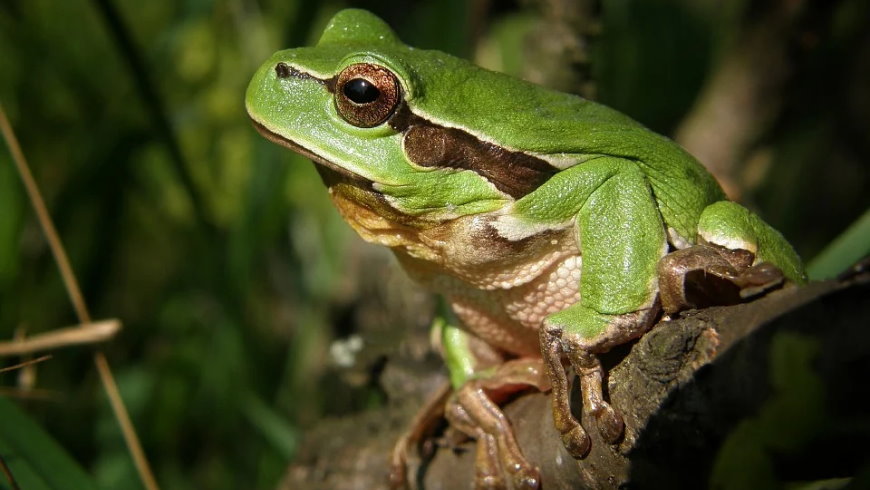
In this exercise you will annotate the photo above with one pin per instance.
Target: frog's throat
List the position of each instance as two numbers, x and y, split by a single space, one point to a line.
305 152
375 219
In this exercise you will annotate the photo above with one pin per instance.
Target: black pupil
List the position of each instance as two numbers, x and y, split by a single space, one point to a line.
361 91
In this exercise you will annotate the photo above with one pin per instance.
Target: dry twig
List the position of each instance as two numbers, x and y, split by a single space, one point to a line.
90 333
75 295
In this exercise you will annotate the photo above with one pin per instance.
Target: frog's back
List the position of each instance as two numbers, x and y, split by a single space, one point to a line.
560 128
682 187
526 117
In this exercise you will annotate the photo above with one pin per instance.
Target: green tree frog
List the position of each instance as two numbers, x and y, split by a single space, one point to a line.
554 227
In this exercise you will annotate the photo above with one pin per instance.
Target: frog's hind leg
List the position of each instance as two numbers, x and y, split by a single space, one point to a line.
737 256
709 275
421 427
474 411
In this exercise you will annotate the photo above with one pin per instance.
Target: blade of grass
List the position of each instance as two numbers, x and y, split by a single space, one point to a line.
34 460
8 474
75 295
153 104
851 246
280 433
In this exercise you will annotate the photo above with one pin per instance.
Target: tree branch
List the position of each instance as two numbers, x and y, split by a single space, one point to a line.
685 389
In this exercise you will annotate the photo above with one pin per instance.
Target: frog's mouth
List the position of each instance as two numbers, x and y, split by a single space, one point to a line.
343 173
358 201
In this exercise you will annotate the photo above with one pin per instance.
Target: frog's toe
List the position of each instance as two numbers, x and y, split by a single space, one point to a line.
610 424
580 334
486 472
526 478
489 482
707 275
577 442
758 279
495 468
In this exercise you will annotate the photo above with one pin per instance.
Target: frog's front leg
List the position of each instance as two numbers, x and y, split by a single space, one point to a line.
560 338
621 237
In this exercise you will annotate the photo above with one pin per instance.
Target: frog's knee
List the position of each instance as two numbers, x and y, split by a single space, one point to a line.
730 225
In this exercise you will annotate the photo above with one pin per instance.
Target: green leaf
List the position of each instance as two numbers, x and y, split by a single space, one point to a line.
848 248
35 459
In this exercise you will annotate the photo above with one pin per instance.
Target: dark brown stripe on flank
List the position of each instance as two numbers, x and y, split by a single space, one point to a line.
429 145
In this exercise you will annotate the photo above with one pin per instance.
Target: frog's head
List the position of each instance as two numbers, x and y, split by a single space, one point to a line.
385 122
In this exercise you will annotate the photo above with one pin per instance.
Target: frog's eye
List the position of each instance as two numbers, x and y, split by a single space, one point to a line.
366 95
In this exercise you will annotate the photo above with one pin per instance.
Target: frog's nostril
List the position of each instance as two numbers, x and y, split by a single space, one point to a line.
282 70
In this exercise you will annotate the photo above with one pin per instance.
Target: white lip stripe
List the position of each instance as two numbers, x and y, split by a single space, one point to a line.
515 229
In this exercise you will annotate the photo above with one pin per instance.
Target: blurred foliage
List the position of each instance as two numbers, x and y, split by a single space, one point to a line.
745 458
221 253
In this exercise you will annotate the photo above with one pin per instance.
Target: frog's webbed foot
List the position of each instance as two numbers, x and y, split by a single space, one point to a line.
706 275
580 334
473 410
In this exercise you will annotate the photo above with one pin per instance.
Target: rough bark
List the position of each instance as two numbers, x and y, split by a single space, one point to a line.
683 388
